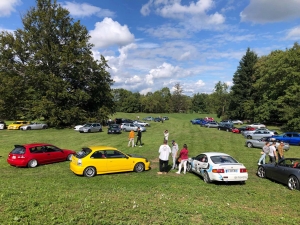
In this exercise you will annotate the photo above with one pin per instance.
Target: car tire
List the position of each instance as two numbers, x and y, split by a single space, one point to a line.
249 145
89 171
261 172
206 178
44 127
100 130
227 130
139 167
293 183
249 137
89 131
28 128
188 167
32 163
69 158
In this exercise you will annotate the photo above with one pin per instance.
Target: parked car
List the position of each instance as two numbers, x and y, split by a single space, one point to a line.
148 118
16 125
225 126
34 154
259 143
293 138
34 126
196 121
238 130
114 129
157 119
77 127
132 126
2 125
261 133
211 124
141 123
103 159
217 166
237 122
91 127
247 133
165 118
286 171
257 125
203 122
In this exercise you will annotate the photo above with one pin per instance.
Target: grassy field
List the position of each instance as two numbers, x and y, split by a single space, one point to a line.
52 194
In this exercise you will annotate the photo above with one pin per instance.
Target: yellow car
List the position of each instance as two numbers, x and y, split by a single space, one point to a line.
16 125
103 159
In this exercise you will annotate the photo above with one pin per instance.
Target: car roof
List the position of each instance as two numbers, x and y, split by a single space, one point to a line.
101 147
34 144
214 153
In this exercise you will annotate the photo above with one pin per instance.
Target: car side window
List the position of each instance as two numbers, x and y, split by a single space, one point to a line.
98 155
52 149
114 154
37 149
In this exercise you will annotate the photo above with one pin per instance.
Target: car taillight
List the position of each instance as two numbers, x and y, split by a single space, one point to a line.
243 170
79 162
218 170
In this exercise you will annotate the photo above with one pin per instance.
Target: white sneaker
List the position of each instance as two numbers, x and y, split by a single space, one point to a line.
178 172
258 164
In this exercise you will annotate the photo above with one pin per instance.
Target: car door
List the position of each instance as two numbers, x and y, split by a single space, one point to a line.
200 162
281 172
118 162
38 153
54 154
295 139
99 161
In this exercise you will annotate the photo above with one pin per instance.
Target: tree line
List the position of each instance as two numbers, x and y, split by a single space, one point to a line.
47 71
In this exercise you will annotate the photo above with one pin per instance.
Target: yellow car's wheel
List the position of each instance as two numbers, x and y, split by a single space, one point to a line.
139 167
89 171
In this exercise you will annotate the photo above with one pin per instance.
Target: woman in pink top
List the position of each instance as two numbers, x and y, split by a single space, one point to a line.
184 158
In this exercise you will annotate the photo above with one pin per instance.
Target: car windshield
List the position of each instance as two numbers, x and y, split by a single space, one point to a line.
218 159
18 150
83 153
87 125
114 126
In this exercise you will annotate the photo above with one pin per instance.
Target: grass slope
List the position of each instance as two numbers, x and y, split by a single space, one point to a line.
52 194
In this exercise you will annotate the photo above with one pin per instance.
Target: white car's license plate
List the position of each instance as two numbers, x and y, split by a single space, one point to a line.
231 171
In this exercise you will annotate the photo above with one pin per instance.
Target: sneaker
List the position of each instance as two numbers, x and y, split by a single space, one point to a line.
258 164
134 145
140 146
159 172
178 172
164 172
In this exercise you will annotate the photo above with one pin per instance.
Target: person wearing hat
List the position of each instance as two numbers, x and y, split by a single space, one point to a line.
174 154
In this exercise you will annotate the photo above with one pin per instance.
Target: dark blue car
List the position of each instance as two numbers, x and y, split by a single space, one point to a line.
196 121
293 138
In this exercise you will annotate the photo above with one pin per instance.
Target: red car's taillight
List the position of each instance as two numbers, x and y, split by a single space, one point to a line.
218 170
243 170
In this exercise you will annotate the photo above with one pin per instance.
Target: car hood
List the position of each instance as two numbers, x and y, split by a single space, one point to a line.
136 156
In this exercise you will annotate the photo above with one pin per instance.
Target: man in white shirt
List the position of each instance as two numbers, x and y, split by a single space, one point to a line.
272 153
164 152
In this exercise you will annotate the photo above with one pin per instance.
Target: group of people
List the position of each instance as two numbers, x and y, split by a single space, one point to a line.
138 140
179 159
270 150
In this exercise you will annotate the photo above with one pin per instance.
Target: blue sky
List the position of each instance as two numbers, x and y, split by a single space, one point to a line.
151 44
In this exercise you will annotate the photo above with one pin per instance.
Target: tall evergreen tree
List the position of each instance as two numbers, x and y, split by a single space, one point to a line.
53 56
242 89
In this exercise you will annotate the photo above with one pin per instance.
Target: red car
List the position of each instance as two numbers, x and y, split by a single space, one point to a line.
235 130
35 154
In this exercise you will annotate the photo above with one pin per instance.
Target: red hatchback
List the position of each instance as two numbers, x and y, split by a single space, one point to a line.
35 154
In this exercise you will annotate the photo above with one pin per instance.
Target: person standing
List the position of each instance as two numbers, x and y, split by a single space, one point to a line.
139 137
164 152
131 138
280 151
174 154
265 151
183 155
272 153
166 135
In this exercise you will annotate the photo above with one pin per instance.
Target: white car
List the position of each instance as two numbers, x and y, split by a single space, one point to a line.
131 126
257 125
217 166
144 124
237 122
77 127
34 126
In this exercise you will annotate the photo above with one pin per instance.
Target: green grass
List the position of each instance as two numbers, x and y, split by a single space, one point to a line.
52 194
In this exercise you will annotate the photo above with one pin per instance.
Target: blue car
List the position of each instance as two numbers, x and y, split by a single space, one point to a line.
196 121
293 138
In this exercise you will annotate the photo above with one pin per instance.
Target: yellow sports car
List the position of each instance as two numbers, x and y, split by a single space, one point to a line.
16 125
103 159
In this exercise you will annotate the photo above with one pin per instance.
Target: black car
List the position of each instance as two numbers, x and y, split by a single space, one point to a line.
157 119
114 129
226 126
286 171
165 118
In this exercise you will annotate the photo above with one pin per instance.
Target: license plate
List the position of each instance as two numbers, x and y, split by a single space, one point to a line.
13 157
231 171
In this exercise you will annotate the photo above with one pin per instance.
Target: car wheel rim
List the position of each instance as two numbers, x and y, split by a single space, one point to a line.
261 172
139 167
90 172
33 163
249 145
292 183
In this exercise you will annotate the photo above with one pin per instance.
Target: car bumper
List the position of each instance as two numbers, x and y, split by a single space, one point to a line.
17 162
228 177
13 128
76 169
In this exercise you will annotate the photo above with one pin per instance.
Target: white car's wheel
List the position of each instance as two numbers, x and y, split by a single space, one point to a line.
249 145
188 167
206 178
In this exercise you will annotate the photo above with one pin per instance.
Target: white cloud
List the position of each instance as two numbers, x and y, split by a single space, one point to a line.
268 11
109 32
8 6
85 10
293 34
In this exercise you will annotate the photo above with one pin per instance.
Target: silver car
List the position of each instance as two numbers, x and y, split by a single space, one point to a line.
34 126
91 127
250 143
250 132
261 133
211 124
132 126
